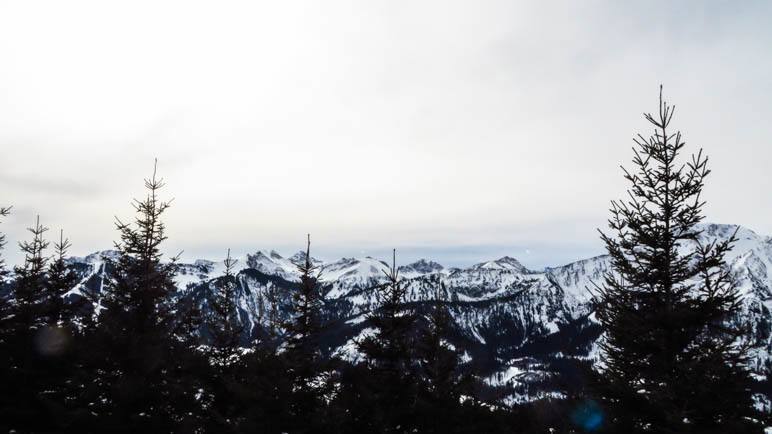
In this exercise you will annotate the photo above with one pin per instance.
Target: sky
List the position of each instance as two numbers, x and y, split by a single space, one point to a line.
456 130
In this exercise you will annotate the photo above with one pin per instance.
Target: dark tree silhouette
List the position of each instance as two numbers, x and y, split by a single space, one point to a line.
303 353
304 326
61 279
444 383
223 321
389 354
37 371
8 363
143 360
31 279
31 276
5 295
273 314
389 348
227 410
4 212
672 362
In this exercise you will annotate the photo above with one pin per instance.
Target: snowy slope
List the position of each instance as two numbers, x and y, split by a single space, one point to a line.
512 323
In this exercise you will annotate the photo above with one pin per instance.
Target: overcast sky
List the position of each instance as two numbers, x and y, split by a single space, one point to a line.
457 130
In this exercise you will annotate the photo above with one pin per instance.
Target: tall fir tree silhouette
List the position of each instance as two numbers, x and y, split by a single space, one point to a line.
672 362
142 356
31 279
227 410
223 321
37 371
304 327
8 344
5 296
4 212
389 354
303 353
61 279
443 380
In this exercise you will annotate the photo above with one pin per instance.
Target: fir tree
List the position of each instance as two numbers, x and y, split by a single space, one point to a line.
223 322
304 327
6 325
273 313
390 357
303 348
443 381
143 359
671 359
61 278
142 284
31 279
38 370
389 349
5 302
227 408
4 212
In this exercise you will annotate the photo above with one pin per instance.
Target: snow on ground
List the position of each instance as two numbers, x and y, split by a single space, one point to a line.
350 351
505 377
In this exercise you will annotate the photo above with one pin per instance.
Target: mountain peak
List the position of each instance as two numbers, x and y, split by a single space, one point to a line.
97 257
504 263
421 266
300 257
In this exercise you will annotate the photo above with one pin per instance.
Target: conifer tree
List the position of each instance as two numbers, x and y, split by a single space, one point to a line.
14 350
260 390
273 317
143 283
36 370
303 348
142 357
223 322
31 279
389 349
5 302
672 362
443 381
389 355
57 373
4 212
6 314
61 278
227 408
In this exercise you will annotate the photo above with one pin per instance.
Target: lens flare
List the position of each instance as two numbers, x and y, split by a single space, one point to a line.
588 416
51 341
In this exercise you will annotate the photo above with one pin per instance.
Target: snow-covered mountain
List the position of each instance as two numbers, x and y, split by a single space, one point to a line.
505 263
420 268
519 328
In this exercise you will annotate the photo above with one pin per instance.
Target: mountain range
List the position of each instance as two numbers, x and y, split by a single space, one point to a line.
524 332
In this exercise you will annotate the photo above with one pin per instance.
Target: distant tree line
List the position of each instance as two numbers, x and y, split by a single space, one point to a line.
132 358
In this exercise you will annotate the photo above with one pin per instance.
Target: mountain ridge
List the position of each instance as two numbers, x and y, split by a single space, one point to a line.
511 323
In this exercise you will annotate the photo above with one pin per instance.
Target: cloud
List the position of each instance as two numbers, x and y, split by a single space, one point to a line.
37 185
423 123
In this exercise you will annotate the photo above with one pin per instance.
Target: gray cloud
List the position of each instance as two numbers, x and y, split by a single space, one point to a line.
36 184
